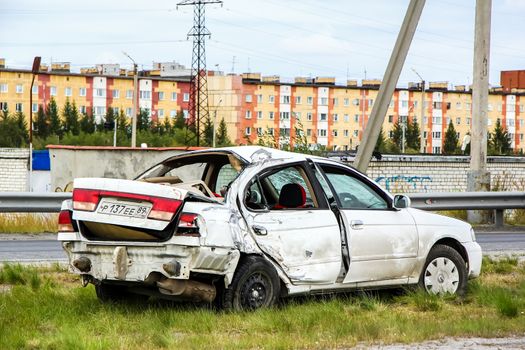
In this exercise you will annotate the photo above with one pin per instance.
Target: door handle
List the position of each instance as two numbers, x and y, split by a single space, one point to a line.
259 230
356 224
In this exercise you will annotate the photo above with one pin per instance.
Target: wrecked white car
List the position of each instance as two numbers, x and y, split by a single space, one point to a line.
244 226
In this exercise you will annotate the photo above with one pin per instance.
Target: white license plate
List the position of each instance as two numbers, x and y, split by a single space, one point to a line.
120 208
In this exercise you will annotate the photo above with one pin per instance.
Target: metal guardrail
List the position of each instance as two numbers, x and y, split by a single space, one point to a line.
498 201
33 202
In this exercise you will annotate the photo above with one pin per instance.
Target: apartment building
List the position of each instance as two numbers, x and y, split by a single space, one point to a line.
255 106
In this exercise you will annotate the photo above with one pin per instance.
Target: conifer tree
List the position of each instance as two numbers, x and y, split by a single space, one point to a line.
87 123
122 123
55 125
499 140
70 117
222 135
450 145
42 122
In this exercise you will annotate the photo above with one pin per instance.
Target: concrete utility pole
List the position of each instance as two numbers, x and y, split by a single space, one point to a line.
478 178
393 70
135 103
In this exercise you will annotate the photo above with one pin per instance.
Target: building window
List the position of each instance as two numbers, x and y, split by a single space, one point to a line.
53 90
436 134
356 118
468 121
82 92
3 106
259 115
309 100
308 132
390 118
322 117
100 92
297 116
356 133
458 120
285 99
19 107
100 110
129 94
83 109
248 115
335 100
334 133
115 110
336 117
436 120
270 115
19 89
323 101
115 94
522 108
161 95
161 113
35 89
129 111
499 107
186 97
271 99
68 92
321 132
345 133
346 102
34 107
297 100
284 115
270 131
309 116
259 132
259 98
248 131
248 98
3 88
145 94
436 149
371 102
174 96
458 105
173 113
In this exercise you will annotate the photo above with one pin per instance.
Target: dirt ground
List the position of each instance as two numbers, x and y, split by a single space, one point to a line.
509 343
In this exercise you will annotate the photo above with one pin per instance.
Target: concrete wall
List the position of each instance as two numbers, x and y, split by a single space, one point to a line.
410 174
69 162
14 169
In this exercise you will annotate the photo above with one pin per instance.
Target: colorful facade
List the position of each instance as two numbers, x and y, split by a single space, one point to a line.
256 107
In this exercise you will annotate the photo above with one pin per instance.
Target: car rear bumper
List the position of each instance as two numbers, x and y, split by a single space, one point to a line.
474 256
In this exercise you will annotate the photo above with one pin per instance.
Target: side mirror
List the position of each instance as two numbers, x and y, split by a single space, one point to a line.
401 201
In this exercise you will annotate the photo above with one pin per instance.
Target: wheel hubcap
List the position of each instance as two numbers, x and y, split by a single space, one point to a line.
441 276
254 293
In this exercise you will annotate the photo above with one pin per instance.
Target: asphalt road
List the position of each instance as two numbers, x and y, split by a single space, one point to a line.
50 250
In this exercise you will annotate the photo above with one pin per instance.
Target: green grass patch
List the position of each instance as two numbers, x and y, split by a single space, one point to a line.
57 313
28 223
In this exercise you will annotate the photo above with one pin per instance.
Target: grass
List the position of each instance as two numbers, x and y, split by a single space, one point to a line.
48 309
28 223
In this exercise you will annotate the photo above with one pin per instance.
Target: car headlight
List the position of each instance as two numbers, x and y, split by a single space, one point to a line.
472 234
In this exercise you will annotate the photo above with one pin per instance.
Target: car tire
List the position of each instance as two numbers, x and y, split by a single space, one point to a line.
444 272
255 285
110 293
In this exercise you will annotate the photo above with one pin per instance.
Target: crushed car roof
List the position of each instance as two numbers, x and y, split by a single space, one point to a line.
254 154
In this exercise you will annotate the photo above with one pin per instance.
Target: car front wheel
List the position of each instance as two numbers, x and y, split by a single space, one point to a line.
444 272
255 285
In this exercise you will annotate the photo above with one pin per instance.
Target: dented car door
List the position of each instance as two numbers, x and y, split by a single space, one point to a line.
293 224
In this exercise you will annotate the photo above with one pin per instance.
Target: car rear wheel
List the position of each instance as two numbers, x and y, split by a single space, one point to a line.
255 285
445 272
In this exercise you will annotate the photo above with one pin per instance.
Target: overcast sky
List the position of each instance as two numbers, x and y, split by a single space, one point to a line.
341 38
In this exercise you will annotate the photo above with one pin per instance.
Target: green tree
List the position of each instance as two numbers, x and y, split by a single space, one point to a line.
13 130
55 125
87 123
41 124
222 135
499 140
207 132
143 120
450 145
122 122
397 134
381 142
166 125
180 121
413 138
109 122
70 117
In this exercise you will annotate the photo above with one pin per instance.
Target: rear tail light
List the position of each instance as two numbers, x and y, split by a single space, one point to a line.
188 224
64 221
162 208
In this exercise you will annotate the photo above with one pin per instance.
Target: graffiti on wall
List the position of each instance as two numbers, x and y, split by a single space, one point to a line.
400 183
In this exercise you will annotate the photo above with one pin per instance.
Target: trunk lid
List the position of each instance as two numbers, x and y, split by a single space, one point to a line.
115 209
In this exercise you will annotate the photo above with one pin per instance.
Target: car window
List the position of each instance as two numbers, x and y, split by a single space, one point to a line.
352 192
226 175
281 189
